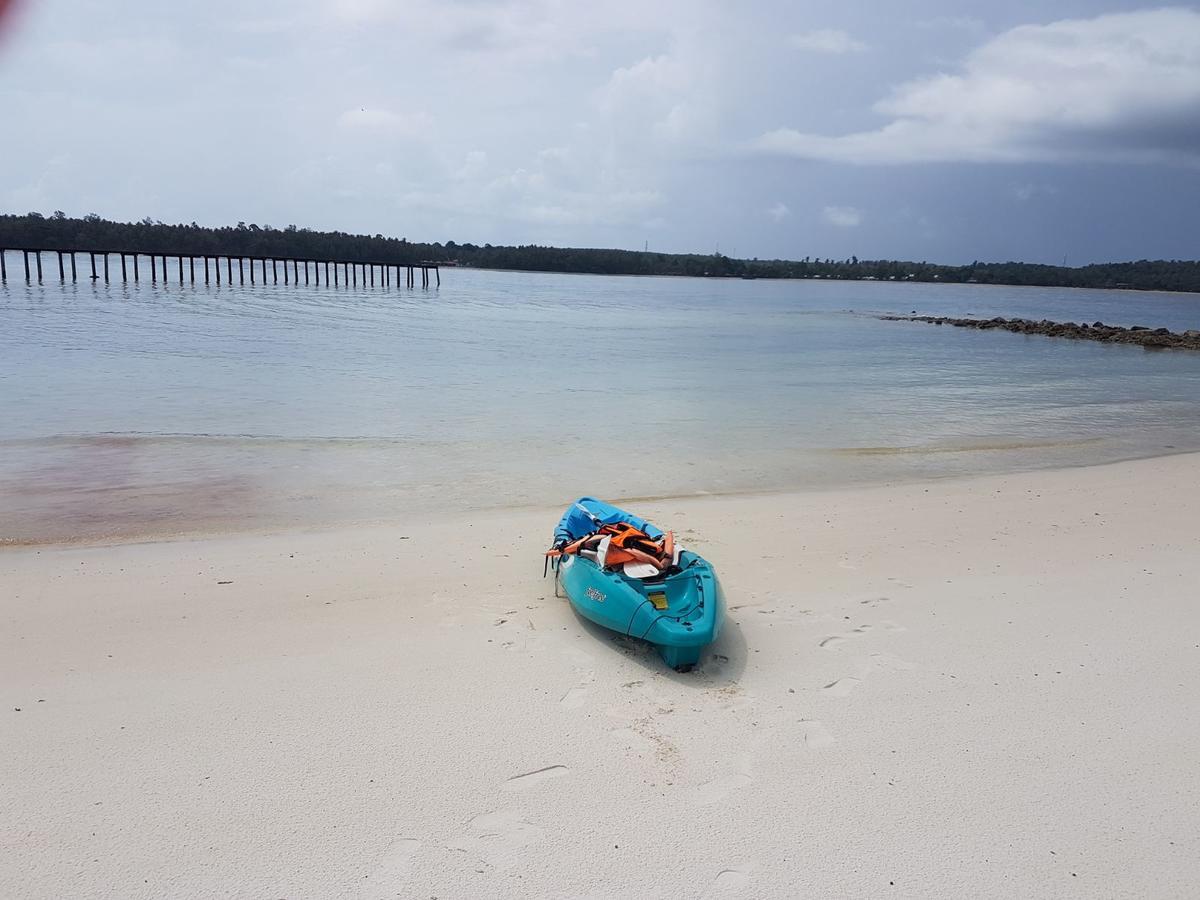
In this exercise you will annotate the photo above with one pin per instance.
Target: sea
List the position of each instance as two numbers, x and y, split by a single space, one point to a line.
142 410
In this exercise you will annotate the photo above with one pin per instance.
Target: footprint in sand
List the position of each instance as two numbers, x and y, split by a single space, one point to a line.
738 780
717 790
715 666
815 734
392 868
835 641
888 661
532 779
631 740
576 696
730 882
843 686
579 658
498 837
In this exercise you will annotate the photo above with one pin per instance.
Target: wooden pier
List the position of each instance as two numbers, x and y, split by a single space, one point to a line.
337 273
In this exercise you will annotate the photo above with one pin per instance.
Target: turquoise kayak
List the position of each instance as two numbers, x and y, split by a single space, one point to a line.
678 605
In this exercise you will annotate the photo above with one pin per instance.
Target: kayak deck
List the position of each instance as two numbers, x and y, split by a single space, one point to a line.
679 611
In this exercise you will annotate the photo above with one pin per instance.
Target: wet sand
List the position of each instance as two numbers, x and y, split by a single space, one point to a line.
968 687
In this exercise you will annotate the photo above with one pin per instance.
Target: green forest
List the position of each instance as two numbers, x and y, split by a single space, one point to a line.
61 232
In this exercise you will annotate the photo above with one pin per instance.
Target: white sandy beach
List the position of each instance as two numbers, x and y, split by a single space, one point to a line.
981 687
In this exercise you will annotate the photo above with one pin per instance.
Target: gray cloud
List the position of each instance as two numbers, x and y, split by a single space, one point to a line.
1121 87
826 40
546 121
842 216
778 211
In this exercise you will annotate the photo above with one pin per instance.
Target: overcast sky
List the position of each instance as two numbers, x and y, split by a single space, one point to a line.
930 129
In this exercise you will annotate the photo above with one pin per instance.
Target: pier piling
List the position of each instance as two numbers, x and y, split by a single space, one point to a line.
345 272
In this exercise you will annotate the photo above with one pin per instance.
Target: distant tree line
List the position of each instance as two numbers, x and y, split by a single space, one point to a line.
59 231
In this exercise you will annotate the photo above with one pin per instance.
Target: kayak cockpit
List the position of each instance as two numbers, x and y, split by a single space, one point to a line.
669 596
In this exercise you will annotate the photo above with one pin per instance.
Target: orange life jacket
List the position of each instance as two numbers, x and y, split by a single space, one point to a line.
626 544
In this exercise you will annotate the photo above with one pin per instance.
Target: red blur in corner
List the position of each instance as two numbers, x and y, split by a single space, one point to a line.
6 8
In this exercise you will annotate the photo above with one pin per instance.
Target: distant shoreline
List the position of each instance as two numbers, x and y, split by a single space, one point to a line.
58 231
957 284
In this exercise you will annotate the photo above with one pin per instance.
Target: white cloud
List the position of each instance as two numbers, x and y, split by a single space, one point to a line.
554 190
1120 87
779 211
513 31
619 208
952 23
842 216
1026 192
673 99
826 40
474 164
651 82
386 121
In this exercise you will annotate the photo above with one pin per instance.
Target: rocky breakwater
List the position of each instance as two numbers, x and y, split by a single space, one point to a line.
1154 338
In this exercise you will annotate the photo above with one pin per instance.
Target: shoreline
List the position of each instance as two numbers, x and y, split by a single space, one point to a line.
107 236
971 686
771 278
230 530
776 278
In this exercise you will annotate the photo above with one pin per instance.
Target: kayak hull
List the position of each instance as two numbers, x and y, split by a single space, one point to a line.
680 613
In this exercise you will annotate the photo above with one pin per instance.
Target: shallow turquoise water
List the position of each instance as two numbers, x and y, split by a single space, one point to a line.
131 409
